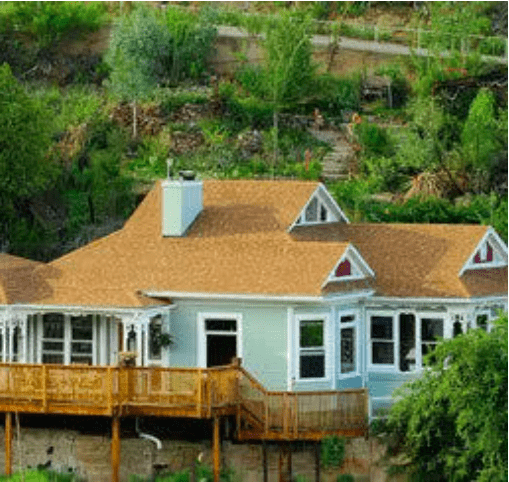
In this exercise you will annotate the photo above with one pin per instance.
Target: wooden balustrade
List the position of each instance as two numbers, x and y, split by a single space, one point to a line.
182 392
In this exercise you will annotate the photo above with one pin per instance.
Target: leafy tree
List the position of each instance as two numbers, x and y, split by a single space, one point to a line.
452 422
483 135
288 69
148 49
25 168
136 47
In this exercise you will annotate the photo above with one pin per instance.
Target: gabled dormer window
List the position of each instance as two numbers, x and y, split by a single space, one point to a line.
320 208
491 252
351 266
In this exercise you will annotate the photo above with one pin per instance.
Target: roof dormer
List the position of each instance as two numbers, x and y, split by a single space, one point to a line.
491 252
320 208
351 266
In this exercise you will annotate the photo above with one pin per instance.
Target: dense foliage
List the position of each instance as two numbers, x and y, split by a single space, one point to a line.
25 167
452 422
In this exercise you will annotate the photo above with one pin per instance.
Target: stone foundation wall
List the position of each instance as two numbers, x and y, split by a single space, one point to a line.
89 456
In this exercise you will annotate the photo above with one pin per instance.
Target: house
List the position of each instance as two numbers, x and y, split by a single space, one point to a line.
271 272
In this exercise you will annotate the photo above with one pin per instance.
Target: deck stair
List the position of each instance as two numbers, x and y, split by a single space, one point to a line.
183 392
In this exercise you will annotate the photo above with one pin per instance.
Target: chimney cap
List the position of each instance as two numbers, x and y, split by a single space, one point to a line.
187 175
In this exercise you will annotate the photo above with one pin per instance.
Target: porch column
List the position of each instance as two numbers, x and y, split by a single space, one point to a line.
8 443
216 449
115 448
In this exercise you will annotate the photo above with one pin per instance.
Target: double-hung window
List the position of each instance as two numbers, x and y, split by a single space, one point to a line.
432 330
382 340
311 348
348 343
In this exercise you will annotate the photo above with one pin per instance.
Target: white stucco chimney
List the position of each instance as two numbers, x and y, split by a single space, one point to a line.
182 201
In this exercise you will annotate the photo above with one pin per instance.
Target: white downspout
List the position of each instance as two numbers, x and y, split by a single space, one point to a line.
146 436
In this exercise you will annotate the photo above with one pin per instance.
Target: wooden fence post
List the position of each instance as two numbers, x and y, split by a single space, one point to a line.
216 447
265 462
8 443
115 448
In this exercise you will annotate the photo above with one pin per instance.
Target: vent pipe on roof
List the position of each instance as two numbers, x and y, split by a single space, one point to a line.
182 201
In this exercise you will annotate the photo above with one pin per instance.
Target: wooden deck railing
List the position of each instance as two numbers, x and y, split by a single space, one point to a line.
186 392
295 415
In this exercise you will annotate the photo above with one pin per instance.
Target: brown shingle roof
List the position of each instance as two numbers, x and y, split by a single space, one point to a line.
16 278
416 260
239 244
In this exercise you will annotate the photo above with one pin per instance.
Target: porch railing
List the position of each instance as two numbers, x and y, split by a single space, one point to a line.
188 392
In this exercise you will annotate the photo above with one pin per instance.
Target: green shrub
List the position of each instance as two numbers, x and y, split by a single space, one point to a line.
345 478
374 139
333 451
49 22
336 94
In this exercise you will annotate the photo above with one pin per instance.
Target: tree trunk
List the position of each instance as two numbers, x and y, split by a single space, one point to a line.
135 115
275 119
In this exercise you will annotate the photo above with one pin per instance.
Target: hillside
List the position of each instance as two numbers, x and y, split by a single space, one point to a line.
405 141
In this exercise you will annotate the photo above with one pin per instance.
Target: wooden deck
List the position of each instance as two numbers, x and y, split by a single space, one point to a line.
183 392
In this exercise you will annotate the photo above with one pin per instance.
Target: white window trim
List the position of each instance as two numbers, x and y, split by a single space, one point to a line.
202 334
356 325
326 346
487 312
379 367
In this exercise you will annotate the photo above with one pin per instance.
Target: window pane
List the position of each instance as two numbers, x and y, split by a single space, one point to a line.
344 269
80 348
82 360
432 329
220 325
311 333
312 211
383 353
81 327
482 322
381 327
323 213
348 319
51 358
53 346
154 344
53 325
312 366
347 350
406 342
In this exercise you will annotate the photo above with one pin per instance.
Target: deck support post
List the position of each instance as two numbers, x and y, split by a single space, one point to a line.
290 468
216 448
265 462
115 448
317 462
8 443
